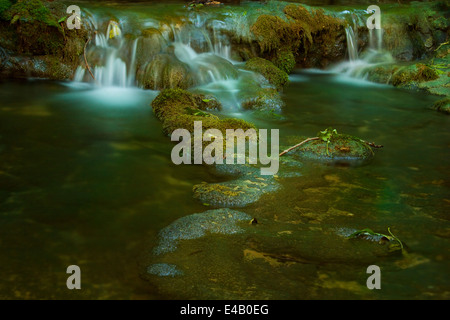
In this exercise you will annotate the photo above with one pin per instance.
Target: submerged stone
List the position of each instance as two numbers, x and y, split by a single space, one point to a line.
164 270
197 225
247 187
291 251
235 193
266 100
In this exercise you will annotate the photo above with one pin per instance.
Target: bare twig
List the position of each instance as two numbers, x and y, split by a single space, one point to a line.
85 60
298 145
442 44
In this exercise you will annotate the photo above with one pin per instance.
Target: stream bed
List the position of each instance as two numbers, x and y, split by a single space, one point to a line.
86 179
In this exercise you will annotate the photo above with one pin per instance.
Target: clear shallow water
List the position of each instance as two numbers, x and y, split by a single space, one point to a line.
86 179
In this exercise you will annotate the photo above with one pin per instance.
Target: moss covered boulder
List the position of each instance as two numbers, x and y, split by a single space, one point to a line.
409 75
299 35
414 31
276 77
431 75
340 149
37 41
150 44
246 189
284 59
442 105
178 108
165 72
265 102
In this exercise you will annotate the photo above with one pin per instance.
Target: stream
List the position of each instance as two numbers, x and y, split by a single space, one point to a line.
86 178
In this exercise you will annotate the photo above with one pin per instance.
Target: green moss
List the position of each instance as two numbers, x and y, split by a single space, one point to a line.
313 26
442 105
31 11
266 100
275 76
37 28
165 72
402 77
340 148
284 59
414 73
297 34
425 73
178 109
4 5
272 32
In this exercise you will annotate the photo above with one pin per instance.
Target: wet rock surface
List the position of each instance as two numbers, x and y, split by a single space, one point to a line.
221 221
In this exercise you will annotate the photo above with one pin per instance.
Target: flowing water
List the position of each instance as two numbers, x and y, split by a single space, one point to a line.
86 178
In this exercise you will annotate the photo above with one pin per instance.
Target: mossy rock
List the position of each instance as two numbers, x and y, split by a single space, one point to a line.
284 59
35 40
272 32
404 76
276 77
261 250
414 31
314 37
198 225
165 72
207 102
151 43
442 105
178 108
37 28
266 102
246 189
342 149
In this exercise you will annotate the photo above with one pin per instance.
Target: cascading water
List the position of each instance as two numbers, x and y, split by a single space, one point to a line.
111 69
352 44
199 44
358 65
376 39
187 50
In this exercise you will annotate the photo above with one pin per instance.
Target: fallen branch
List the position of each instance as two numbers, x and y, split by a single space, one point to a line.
85 60
442 44
298 145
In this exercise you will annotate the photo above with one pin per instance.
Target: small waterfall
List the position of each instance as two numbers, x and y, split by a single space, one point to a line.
352 44
193 50
113 70
206 67
221 46
132 70
79 74
359 64
376 39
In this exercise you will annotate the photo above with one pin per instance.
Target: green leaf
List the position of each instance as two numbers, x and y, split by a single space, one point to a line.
15 18
62 19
